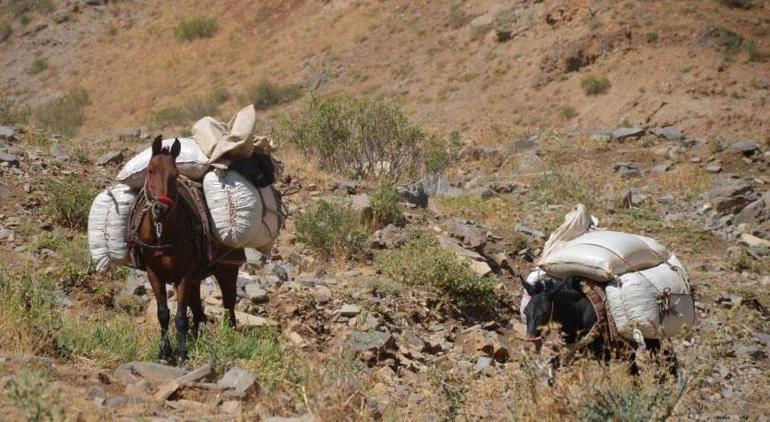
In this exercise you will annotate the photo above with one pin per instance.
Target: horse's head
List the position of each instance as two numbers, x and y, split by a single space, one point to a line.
161 178
550 297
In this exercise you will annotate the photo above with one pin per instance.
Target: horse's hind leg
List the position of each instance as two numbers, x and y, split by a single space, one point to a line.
164 315
226 276
183 290
196 306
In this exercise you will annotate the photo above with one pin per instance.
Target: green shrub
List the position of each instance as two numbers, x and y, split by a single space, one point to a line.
170 116
456 18
556 188
109 339
267 94
634 402
595 85
755 53
385 206
223 347
69 201
30 392
5 30
29 318
20 8
38 65
744 262
196 27
10 114
423 261
64 114
726 38
363 138
568 112
332 229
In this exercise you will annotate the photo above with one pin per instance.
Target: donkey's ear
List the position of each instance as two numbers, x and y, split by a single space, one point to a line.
175 148
531 289
157 145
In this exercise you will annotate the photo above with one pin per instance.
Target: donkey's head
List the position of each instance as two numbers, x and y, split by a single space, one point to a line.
554 300
161 178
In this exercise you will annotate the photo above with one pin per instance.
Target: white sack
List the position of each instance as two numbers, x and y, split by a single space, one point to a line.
576 223
107 226
633 301
191 162
601 255
243 215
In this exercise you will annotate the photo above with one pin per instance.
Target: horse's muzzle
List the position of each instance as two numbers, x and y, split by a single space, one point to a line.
159 210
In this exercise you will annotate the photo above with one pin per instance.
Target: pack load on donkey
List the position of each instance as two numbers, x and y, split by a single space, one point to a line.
641 284
226 171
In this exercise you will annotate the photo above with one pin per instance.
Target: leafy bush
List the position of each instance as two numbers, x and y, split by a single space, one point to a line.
196 27
31 392
64 114
69 201
74 264
38 65
595 85
423 261
267 94
332 229
568 112
363 138
385 206
556 188
107 340
634 402
29 319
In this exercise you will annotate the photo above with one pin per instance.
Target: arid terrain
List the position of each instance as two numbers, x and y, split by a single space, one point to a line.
388 297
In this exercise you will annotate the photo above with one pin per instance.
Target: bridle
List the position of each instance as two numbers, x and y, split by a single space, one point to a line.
152 199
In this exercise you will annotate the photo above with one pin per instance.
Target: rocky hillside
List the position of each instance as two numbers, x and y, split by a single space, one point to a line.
389 299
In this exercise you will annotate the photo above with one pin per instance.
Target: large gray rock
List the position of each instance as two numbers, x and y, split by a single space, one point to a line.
371 340
239 380
388 237
671 133
413 194
471 235
255 293
745 147
362 204
729 195
8 158
627 132
8 133
111 157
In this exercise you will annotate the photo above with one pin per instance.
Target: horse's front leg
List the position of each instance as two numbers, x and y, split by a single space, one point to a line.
164 314
183 289
196 306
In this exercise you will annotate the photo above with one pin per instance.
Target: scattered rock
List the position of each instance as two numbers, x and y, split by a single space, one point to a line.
471 235
389 237
729 195
713 168
8 133
256 293
627 132
747 148
522 228
151 371
526 144
662 168
9 158
349 310
755 242
123 401
111 157
480 268
239 380
627 170
413 194
371 340
363 206
58 151
753 351
483 362
671 133
232 407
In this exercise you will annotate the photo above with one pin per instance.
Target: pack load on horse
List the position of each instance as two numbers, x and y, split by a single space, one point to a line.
616 287
185 209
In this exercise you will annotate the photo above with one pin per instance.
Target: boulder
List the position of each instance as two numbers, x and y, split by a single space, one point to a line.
388 237
111 157
471 235
745 147
729 195
239 380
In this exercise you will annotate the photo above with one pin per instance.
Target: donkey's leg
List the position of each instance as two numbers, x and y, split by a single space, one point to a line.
196 306
164 315
183 297
227 277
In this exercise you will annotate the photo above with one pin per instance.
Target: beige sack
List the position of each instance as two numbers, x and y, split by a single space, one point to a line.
221 142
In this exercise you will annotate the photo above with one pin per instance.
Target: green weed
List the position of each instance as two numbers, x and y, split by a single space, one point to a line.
63 115
332 229
595 85
69 201
267 94
196 28
385 206
31 392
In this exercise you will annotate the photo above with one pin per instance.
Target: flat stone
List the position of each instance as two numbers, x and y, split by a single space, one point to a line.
362 204
661 168
627 132
480 268
754 241
8 158
671 133
745 147
238 380
713 168
123 401
371 340
256 293
729 195
483 362
111 157
58 150
304 418
8 133
151 371
471 235
522 228
752 212
232 407
349 310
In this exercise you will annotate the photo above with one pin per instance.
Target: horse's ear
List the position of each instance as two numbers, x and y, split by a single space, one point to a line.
157 145
175 148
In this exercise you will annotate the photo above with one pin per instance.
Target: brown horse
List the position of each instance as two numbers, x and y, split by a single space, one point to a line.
166 244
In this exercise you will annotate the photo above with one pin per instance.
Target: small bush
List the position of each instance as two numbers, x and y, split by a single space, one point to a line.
29 318
332 229
196 27
69 201
5 30
170 116
727 39
267 94
652 37
31 393
190 111
456 18
256 348
38 65
385 206
744 262
595 85
10 114
738 4
556 188
20 8
755 53
363 138
635 402
568 112
113 339
64 114
423 261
